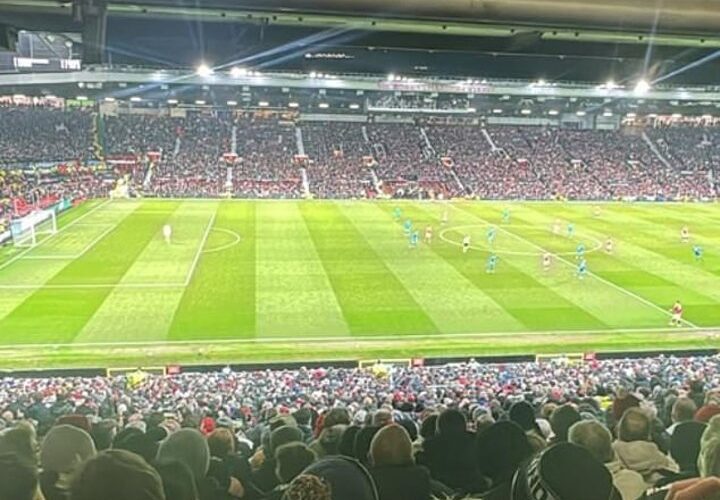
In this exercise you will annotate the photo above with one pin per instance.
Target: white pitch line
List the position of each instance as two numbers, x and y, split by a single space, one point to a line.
25 252
200 248
78 255
359 340
565 261
226 245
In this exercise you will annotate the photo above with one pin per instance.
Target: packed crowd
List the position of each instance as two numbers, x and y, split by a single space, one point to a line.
341 160
614 429
44 135
184 154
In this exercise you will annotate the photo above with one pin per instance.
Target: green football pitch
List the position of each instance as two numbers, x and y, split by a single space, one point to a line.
301 280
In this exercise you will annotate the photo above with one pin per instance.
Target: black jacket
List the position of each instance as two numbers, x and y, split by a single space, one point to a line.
402 482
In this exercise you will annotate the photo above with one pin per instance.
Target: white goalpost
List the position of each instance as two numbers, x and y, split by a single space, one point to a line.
28 231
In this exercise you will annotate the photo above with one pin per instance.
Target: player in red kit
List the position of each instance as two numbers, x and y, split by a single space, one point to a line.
677 312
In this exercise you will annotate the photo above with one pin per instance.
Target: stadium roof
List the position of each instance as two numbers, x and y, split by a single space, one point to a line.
553 39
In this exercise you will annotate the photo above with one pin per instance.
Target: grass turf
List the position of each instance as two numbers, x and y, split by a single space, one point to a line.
268 281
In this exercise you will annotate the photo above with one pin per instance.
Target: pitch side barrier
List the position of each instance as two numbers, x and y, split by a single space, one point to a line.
205 368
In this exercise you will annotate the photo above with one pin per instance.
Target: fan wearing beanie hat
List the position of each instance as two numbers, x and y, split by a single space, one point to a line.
564 472
117 475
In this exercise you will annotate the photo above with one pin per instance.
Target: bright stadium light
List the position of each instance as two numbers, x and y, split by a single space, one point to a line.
553 112
109 99
391 78
81 98
204 70
263 104
232 103
607 113
676 116
238 72
200 102
323 105
172 101
293 105
541 82
135 99
525 111
610 84
581 113
642 87
497 111
313 74
631 115
354 106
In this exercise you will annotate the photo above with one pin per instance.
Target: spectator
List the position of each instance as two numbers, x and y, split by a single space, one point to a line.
683 410
117 475
500 450
637 452
597 439
63 450
561 420
18 478
685 450
177 480
393 467
291 460
450 455
348 479
308 487
564 472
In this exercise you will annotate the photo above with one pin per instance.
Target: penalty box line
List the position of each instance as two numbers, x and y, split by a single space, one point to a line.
88 247
62 229
565 261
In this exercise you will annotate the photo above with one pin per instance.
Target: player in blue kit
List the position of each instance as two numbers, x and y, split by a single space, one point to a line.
397 213
414 238
698 252
570 230
407 227
506 216
491 264
582 269
580 251
491 234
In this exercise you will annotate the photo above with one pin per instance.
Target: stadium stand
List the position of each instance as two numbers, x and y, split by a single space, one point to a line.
630 425
189 156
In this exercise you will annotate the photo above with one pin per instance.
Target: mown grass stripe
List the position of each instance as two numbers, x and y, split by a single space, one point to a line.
650 260
219 302
372 299
58 315
514 286
152 308
453 302
294 295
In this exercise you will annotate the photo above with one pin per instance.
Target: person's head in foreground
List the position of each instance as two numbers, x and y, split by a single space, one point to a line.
564 472
117 475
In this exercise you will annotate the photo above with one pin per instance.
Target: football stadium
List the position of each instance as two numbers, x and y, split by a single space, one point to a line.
359 250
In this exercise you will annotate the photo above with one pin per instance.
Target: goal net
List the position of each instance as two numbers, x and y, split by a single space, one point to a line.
31 229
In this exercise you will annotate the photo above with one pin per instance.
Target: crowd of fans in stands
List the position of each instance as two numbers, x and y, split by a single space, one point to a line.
614 429
339 160
186 155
